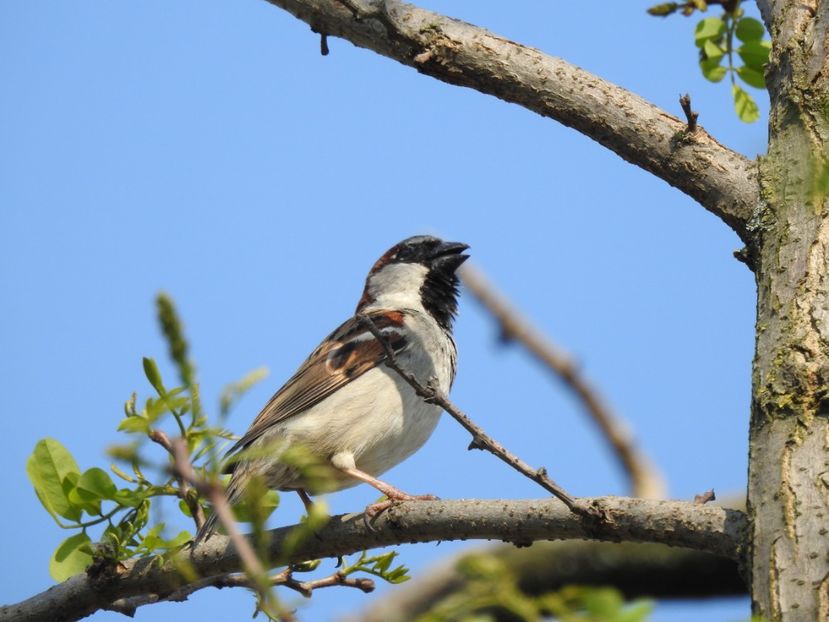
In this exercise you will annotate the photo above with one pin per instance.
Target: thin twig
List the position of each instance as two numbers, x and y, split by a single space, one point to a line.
185 490
690 115
645 479
480 440
255 571
216 495
335 578
128 606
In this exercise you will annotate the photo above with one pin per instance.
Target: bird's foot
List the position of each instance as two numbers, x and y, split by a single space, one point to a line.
375 509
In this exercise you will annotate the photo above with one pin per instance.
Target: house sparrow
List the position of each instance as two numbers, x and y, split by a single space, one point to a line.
344 404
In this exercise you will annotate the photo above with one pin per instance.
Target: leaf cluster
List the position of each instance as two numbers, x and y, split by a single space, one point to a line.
721 41
79 501
492 592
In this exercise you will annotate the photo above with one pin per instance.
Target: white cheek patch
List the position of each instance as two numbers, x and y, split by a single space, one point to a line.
397 286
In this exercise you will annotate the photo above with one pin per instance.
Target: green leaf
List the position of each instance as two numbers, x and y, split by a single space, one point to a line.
749 29
129 406
121 474
182 538
89 503
265 506
712 50
152 539
306 566
71 557
153 375
134 424
97 482
712 70
128 498
235 390
708 28
398 575
664 9
744 105
383 562
752 77
47 468
185 509
755 54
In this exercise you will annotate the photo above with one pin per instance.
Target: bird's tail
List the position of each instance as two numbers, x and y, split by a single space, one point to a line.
232 494
206 530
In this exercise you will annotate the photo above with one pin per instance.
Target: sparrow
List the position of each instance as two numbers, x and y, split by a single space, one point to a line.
345 404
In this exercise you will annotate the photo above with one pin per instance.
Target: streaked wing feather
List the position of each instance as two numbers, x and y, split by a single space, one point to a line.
346 354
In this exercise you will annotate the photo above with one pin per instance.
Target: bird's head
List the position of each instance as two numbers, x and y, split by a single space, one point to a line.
417 273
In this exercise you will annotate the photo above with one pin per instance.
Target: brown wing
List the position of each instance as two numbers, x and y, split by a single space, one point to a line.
346 354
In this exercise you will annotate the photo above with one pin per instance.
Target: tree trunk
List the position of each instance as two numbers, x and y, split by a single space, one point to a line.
789 439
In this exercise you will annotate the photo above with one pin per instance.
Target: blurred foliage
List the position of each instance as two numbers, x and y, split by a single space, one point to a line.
491 592
721 41
110 522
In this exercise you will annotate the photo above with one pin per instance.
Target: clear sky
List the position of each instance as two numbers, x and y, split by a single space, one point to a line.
207 149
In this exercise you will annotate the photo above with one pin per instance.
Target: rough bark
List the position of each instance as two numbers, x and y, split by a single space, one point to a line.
723 181
707 528
637 570
789 437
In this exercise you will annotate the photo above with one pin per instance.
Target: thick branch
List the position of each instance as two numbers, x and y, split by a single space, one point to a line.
723 181
637 570
706 528
645 479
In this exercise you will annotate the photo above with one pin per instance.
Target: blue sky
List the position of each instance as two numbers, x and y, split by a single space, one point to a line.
207 149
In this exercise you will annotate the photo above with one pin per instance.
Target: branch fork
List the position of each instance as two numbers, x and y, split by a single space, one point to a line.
480 440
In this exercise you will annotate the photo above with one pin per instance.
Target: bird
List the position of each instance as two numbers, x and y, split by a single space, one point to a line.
345 404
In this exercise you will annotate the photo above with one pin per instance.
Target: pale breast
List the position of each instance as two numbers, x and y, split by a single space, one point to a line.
378 418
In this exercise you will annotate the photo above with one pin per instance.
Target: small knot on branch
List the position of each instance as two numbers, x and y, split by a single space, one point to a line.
476 443
705 497
595 518
690 115
424 57
323 40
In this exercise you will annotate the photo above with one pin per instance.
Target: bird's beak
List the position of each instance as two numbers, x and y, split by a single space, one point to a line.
448 256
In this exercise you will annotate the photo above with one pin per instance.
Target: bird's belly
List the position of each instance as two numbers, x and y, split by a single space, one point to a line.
377 419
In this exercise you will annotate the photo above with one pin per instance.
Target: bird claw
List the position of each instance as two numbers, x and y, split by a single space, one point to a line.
375 509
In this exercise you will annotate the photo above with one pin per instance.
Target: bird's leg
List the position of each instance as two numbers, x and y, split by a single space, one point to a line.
306 500
394 494
309 504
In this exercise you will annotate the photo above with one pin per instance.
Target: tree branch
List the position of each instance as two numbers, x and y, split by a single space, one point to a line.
184 491
480 440
285 578
706 528
645 480
637 570
723 181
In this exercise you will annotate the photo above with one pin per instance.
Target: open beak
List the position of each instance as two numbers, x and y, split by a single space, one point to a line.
448 256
